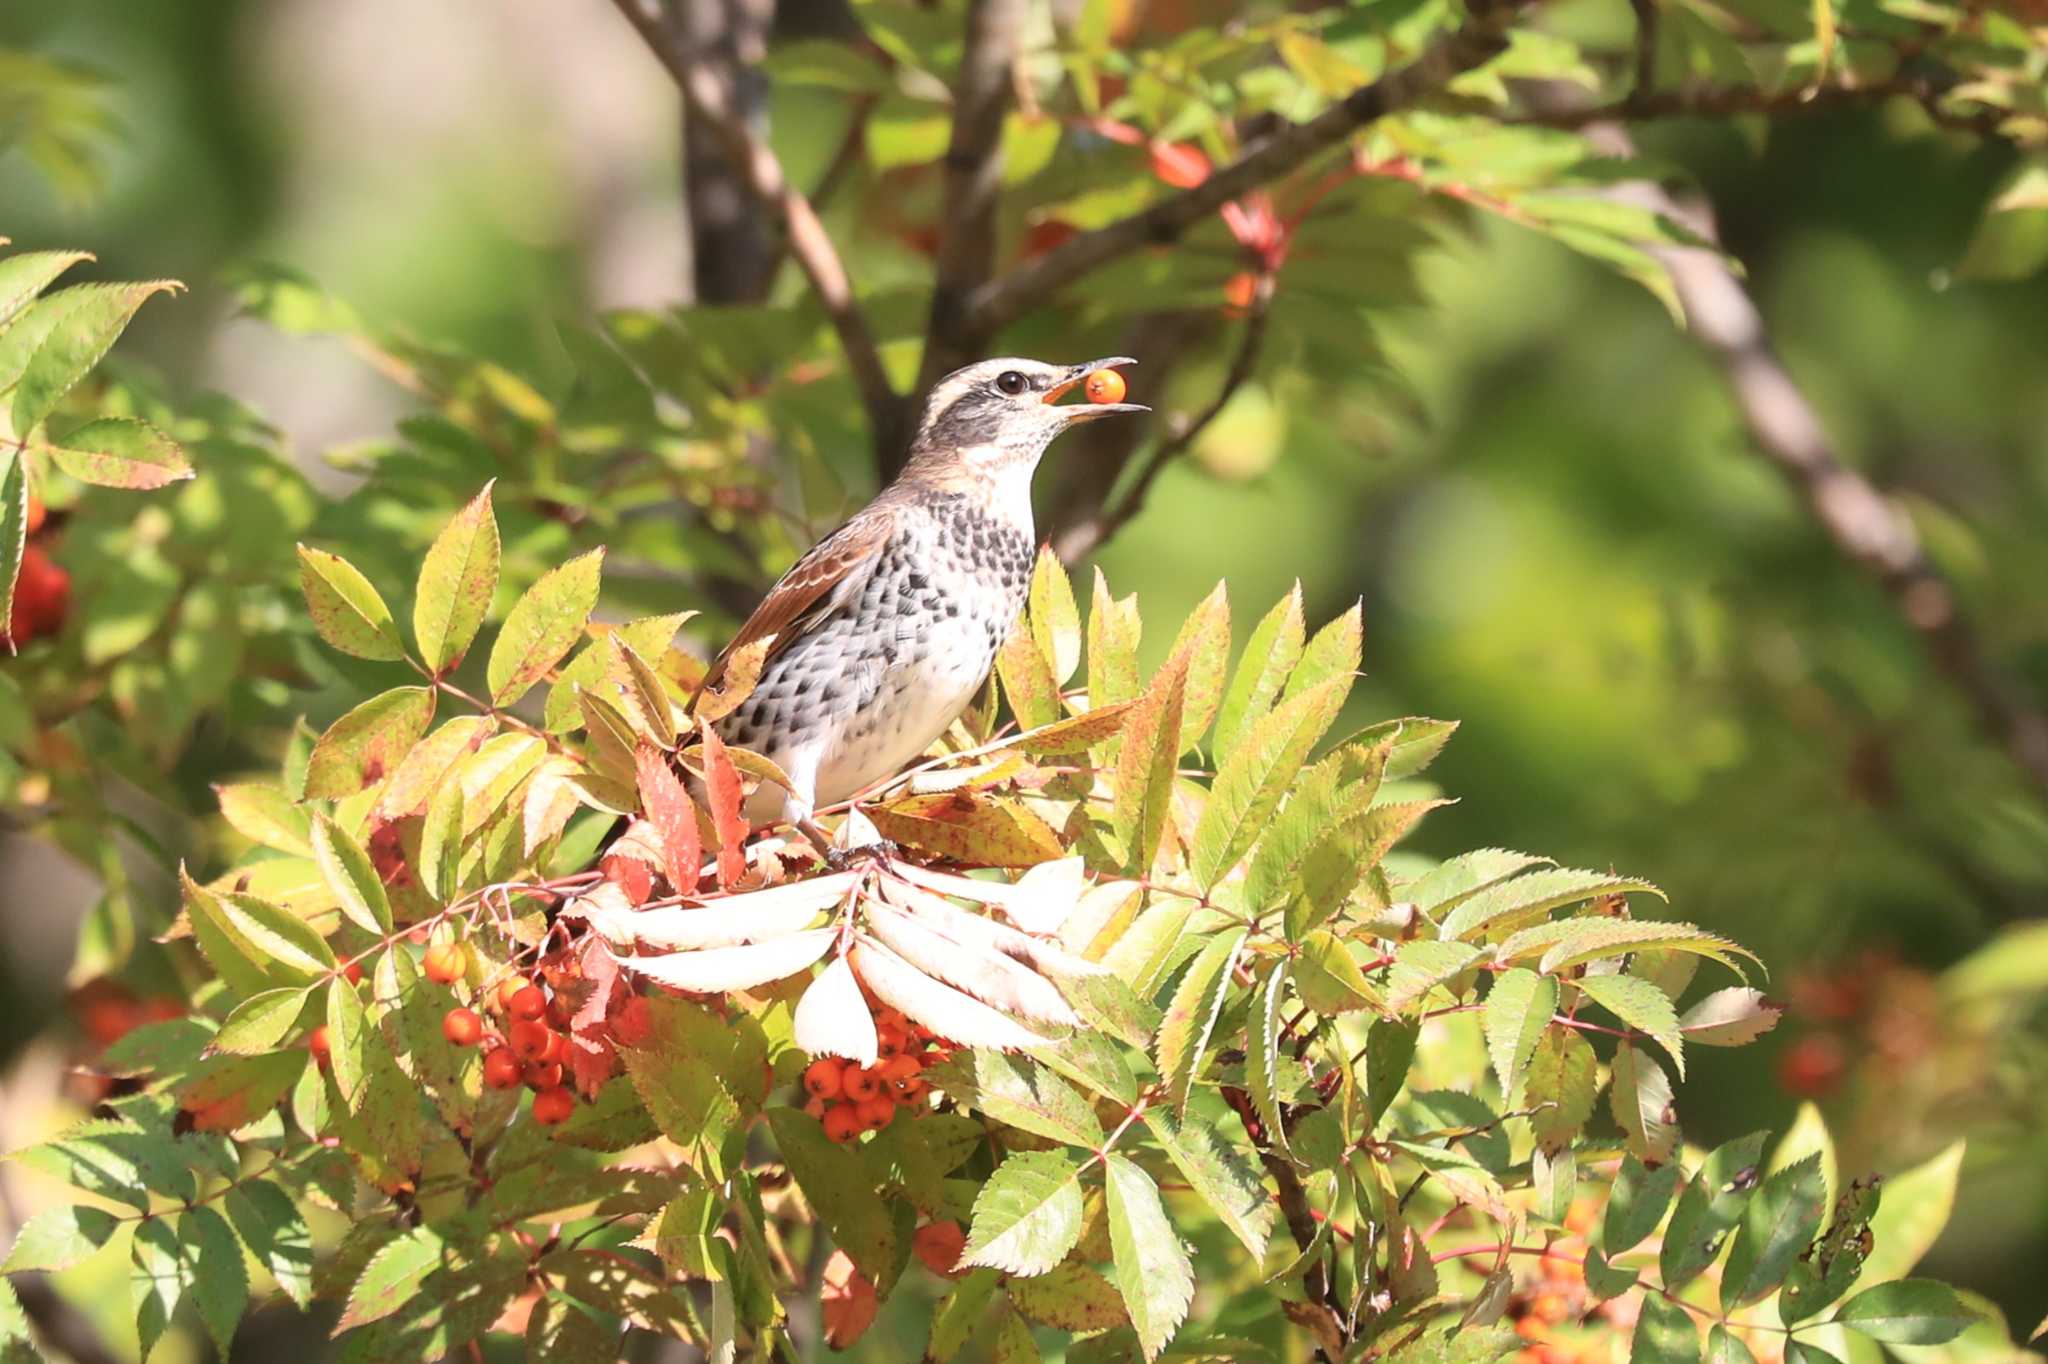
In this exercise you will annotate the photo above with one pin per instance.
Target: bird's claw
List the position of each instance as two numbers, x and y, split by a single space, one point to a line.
880 851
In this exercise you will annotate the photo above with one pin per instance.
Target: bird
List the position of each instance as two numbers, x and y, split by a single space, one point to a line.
880 635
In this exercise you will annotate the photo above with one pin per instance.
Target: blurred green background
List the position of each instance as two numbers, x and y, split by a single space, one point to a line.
1559 532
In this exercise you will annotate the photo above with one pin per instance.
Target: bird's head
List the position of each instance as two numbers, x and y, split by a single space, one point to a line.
1001 414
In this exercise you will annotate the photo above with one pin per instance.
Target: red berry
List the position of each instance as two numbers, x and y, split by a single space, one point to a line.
938 1245
37 512
842 1123
528 1002
861 1083
877 1113
1104 386
822 1078
42 596
462 1027
501 1068
530 1041
560 1011
541 1075
552 1106
1814 1066
353 973
445 962
558 1049
316 1042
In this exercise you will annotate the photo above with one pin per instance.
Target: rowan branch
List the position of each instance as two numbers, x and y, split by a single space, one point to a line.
974 174
1082 538
710 100
1472 44
1726 101
1786 430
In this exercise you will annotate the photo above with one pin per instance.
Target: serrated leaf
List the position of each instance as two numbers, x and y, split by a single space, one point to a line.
1449 884
265 815
274 1230
1262 1053
1518 1009
1191 1015
260 1022
1603 1280
715 970
649 637
1249 786
1725 1347
1201 653
1826 1269
1781 1219
25 274
220 1285
1636 1204
1640 1095
1329 979
959 1312
1262 670
120 452
1665 1334
397 1272
364 745
977 830
946 1011
1642 1006
1113 632
1017 1091
160 1266
1709 1205
228 1093
456 582
1908 1312
1055 619
1151 1266
1336 648
13 525
1730 1017
345 608
1147 758
1028 1215
1219 1174
542 626
1412 742
836 1183
1573 942
1420 967
58 1238
350 874
1070 1296
1512 904
1561 1084
89 318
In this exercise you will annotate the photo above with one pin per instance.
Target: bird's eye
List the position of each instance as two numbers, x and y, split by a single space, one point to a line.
1011 382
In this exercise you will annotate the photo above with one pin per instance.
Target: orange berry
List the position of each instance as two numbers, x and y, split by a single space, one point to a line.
528 1003
462 1027
889 1041
909 1090
877 1113
530 1041
353 973
501 1068
822 1078
815 1107
1104 386
560 1011
445 962
541 1075
553 1105
938 1245
558 1049
502 993
860 1083
899 1068
842 1123
316 1042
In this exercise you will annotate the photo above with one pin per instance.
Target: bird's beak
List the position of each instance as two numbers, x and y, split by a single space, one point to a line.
1076 413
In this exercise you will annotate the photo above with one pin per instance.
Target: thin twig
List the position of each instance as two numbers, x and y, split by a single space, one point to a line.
1646 13
708 99
1084 537
966 255
844 158
1472 44
1725 101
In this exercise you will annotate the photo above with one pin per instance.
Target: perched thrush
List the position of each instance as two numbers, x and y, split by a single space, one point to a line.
881 634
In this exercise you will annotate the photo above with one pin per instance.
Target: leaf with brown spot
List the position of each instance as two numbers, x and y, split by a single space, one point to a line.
971 829
362 746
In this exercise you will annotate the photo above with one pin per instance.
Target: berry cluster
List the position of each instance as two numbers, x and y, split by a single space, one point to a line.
851 1099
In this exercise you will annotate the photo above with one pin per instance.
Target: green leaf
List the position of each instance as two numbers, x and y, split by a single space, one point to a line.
1018 1091
1336 648
1636 1204
1318 800
1709 1205
260 1022
1447 885
1113 633
1150 1264
1665 1334
542 626
1603 1280
348 1034
1508 905
27 273
1562 1082
265 815
1420 967
1329 979
160 1267
1413 742
58 1238
1248 788
1147 757
345 608
1269 656
274 1229
649 637
1518 1009
349 873
1825 1270
220 1285
1781 1219
1191 1015
364 745
1028 1215
1389 1051
1055 619
1262 1053
250 945
1200 653
457 579
1219 1174
1641 1100
398 1271
1725 1347
89 319
1573 942
1070 1296
688 1101
13 527
1028 682
120 452
1908 1312
958 1313
1642 1006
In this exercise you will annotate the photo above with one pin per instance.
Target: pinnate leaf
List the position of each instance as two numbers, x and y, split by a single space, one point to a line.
364 745
1711 1203
1151 1266
1269 657
120 452
1781 1219
345 608
1636 1204
1908 1312
1518 1009
457 578
838 1186
1147 757
1561 1084
350 874
60 1237
1191 1015
1642 1006
1336 648
1252 781
1665 1334
1055 619
88 319
1508 905
1219 1174
1028 1215
542 626
1641 1098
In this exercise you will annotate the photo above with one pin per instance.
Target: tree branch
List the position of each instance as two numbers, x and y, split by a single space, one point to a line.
1786 430
732 252
1725 101
1086 535
974 173
1472 44
710 100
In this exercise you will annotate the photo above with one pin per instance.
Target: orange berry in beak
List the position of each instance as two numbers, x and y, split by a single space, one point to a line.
1104 386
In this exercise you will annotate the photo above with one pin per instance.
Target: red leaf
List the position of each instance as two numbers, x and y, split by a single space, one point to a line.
1179 164
592 1060
722 790
630 875
674 818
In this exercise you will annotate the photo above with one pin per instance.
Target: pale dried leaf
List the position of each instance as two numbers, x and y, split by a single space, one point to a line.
989 976
754 916
718 969
832 1019
946 1011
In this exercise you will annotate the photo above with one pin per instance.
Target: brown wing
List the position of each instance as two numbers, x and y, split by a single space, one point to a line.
835 566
